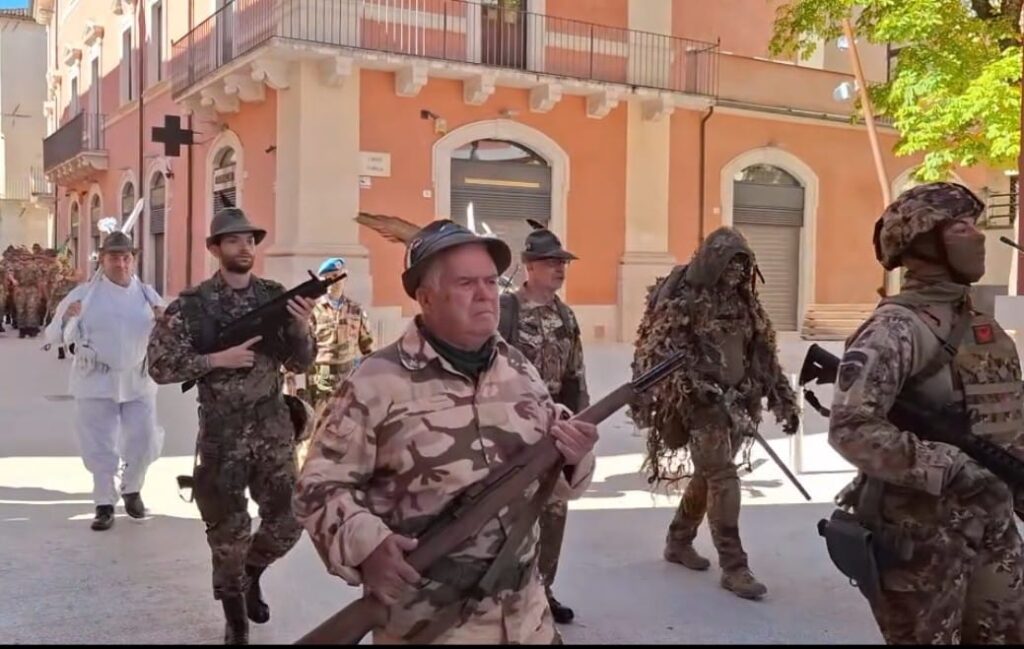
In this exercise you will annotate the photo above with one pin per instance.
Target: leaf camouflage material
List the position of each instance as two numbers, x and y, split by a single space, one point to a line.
481 502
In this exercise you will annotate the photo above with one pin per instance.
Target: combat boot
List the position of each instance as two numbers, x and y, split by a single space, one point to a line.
741 581
236 627
258 610
561 613
104 518
686 556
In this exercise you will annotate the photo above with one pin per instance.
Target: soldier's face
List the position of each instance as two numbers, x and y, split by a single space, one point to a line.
461 306
236 252
737 272
546 274
118 266
336 289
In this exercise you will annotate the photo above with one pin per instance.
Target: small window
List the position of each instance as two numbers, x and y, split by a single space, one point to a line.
156 42
94 88
73 225
225 186
763 174
158 228
127 60
73 99
95 214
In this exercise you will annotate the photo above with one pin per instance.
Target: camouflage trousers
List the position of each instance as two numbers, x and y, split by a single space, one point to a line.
964 586
324 380
552 531
260 457
714 489
26 306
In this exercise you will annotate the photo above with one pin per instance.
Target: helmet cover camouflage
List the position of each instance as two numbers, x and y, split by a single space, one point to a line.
918 211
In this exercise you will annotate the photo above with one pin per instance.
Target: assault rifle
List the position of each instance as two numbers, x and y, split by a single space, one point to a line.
479 503
859 550
267 320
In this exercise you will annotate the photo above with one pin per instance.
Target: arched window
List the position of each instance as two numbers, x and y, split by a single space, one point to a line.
95 214
762 174
73 224
157 227
224 182
127 200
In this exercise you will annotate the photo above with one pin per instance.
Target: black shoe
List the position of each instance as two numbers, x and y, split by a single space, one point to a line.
236 626
104 518
562 614
257 609
133 505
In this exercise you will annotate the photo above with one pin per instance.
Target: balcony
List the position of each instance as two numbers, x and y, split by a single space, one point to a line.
31 186
75 152
445 38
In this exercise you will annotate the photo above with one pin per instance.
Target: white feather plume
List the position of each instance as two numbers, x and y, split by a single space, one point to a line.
133 218
107 225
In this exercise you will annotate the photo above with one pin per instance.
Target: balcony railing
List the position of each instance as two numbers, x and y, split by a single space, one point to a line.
451 30
82 133
24 186
1000 210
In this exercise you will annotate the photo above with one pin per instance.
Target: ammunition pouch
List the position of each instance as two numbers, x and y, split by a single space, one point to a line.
212 503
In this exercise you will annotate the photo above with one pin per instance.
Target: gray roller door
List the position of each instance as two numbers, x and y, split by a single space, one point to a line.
771 218
503 195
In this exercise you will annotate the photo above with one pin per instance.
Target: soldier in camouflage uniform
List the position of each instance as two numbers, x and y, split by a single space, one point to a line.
29 294
246 437
537 323
342 333
418 422
64 280
711 310
960 579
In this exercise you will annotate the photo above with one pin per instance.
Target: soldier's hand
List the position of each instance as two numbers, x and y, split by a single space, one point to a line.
238 357
301 309
574 439
386 572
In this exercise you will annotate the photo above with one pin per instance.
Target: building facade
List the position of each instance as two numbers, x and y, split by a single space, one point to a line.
632 128
26 197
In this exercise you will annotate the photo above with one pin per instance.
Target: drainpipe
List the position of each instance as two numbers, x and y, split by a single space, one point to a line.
188 210
142 83
701 191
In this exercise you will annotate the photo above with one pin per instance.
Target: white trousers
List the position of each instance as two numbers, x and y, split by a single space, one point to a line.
109 432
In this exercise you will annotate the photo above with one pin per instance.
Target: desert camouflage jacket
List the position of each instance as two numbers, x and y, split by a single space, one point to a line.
341 334
403 434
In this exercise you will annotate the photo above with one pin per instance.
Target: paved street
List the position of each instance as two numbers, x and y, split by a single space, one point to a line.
149 581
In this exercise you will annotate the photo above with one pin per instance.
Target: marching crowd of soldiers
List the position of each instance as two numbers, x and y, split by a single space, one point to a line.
32 284
394 434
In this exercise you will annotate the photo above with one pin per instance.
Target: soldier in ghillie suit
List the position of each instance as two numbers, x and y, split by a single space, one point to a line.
247 439
952 570
710 309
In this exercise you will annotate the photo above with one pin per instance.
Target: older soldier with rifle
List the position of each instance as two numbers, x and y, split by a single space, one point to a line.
537 323
246 437
414 426
931 540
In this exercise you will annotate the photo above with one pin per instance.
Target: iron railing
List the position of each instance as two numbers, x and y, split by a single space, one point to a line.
451 30
81 133
1000 210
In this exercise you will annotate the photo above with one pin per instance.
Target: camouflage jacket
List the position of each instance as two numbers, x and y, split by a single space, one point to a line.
341 334
891 353
172 346
554 347
403 434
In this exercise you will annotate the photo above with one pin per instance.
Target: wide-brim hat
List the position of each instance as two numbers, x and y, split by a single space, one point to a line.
543 244
438 236
117 242
232 220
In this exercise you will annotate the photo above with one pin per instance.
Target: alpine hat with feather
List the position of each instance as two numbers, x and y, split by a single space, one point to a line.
117 242
543 244
232 220
438 236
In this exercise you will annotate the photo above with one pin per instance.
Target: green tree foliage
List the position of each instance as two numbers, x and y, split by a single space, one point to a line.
954 92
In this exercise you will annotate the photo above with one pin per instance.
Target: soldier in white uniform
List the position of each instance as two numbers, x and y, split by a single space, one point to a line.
109 320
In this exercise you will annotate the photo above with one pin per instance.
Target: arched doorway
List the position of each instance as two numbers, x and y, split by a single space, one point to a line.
224 186
768 208
157 227
501 183
95 214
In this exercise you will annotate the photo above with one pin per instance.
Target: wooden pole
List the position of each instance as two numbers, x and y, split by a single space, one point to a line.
869 120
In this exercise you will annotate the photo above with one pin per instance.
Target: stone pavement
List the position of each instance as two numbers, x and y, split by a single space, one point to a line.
149 581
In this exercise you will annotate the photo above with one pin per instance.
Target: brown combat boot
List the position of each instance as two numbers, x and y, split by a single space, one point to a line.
741 581
687 556
236 627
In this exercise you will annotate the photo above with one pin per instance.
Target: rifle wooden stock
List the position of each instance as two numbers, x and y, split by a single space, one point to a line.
504 486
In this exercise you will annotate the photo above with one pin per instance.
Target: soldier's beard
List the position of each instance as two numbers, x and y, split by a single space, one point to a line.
237 265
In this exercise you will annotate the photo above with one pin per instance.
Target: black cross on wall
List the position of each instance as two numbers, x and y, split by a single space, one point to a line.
172 136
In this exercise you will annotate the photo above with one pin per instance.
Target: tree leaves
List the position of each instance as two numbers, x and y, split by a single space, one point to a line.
954 92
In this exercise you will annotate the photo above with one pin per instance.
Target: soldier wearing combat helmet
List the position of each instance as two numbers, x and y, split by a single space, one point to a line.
955 573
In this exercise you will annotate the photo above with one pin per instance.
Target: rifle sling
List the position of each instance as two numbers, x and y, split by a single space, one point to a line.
462 608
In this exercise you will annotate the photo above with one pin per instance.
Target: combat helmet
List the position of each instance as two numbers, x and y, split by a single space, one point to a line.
232 220
917 212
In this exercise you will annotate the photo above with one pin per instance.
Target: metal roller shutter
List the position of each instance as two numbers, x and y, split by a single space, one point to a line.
771 218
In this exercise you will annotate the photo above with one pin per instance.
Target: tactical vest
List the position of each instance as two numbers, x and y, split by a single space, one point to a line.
508 318
202 313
